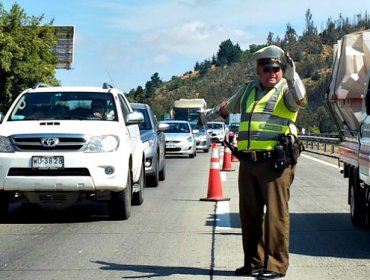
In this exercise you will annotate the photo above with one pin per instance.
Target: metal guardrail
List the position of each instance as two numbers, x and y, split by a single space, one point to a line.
322 145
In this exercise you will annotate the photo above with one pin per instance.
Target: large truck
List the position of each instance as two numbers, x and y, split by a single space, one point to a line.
349 101
189 110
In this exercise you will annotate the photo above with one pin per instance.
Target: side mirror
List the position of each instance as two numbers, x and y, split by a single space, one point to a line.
134 118
163 126
195 131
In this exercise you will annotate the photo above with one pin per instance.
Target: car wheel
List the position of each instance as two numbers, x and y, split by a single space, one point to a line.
191 155
4 205
162 172
138 197
153 180
119 206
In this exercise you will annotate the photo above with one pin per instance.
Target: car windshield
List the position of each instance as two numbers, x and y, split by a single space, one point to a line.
65 105
215 126
178 128
145 125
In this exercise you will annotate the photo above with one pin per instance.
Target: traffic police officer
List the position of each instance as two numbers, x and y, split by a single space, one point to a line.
268 106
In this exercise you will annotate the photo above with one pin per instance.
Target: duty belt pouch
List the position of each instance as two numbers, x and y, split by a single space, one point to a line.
292 147
280 158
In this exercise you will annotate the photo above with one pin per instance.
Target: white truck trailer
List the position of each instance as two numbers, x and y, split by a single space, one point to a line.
349 100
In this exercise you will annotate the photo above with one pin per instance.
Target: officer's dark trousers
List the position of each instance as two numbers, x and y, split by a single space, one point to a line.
265 234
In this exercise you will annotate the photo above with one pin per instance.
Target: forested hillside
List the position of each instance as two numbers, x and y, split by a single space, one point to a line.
217 78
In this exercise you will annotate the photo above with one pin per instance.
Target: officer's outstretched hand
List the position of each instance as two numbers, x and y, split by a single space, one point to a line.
290 67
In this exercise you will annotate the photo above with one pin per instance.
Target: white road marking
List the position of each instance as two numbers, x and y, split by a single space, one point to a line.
321 161
223 215
223 176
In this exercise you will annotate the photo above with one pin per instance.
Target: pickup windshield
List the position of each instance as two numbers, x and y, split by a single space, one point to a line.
65 106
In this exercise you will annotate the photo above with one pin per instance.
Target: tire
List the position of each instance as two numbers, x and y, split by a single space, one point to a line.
357 200
162 172
153 180
119 206
138 197
4 205
194 154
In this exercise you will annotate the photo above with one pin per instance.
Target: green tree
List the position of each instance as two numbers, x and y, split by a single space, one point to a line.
139 95
228 53
27 55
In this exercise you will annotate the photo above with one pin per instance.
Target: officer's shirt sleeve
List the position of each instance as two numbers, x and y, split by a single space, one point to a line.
295 96
233 104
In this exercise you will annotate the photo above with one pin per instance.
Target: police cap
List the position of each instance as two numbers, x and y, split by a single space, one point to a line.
271 56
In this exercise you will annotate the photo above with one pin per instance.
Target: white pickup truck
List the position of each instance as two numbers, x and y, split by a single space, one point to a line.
349 100
60 145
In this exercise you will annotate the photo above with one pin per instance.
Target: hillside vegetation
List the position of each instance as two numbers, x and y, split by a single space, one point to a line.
218 78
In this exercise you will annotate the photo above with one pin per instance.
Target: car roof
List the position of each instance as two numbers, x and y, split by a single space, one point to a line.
175 121
139 105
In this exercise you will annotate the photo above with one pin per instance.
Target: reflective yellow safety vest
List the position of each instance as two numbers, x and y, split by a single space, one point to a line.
262 121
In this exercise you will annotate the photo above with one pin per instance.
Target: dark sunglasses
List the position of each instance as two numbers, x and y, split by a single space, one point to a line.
268 69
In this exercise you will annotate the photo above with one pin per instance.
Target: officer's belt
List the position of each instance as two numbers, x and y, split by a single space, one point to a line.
256 156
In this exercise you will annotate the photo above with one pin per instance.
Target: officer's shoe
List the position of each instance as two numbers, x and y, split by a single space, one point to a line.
267 274
248 271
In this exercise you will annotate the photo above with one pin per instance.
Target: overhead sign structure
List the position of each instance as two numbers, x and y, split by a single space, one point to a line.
65 46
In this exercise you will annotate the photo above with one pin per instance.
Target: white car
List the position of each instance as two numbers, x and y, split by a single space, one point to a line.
56 150
180 138
217 130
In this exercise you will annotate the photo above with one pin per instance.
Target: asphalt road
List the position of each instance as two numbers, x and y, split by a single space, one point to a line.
174 235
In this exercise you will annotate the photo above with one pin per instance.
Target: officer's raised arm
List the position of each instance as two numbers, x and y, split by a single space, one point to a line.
296 96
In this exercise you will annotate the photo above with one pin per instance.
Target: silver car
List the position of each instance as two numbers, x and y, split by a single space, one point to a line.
180 139
202 138
217 131
151 133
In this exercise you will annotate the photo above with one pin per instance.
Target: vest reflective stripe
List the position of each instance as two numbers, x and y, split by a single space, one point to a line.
259 135
262 121
262 117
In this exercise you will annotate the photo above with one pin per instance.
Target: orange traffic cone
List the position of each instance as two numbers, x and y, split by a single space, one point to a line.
235 144
214 182
226 166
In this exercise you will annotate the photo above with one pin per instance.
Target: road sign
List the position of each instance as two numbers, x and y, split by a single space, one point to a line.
65 46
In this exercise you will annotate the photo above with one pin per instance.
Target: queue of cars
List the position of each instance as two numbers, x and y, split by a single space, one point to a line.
56 149
62 145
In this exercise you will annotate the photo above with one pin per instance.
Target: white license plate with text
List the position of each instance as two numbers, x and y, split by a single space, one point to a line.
46 162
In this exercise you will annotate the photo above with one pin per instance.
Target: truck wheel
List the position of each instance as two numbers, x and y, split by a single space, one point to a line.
138 197
4 205
119 206
357 200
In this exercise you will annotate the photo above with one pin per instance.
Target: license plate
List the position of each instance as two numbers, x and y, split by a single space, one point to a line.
44 162
170 146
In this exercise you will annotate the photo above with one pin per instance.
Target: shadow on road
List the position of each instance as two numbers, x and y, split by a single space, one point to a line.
152 271
320 234
329 235
81 212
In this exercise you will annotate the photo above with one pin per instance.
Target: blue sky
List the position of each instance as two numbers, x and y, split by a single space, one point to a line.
124 42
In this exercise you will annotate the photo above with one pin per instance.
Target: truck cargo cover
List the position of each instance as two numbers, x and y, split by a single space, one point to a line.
350 78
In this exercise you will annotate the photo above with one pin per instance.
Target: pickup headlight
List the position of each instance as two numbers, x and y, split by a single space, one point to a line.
6 145
101 144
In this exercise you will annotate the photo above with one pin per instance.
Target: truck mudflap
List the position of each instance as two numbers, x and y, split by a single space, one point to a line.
349 82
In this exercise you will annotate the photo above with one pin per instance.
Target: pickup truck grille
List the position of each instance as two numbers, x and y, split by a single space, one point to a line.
38 142
53 172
